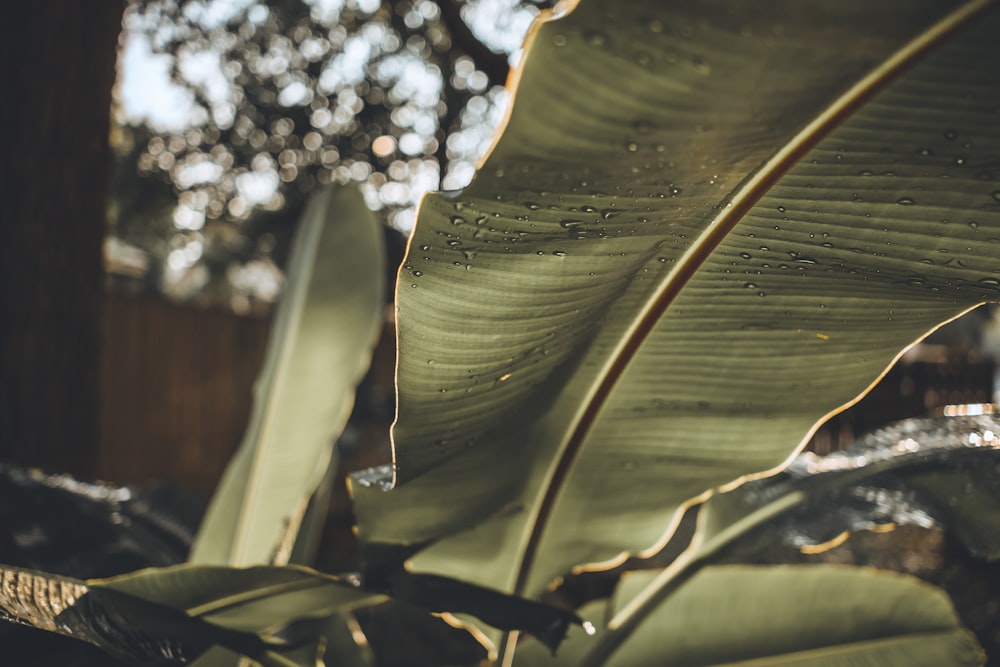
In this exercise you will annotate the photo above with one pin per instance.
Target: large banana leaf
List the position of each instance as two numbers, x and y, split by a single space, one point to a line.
277 615
779 615
796 616
319 349
257 599
174 614
910 472
706 226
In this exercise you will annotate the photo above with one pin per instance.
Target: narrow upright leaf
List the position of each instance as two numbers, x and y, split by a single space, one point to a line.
320 346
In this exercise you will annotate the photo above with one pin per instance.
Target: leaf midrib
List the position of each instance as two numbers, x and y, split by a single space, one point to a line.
280 377
253 595
747 194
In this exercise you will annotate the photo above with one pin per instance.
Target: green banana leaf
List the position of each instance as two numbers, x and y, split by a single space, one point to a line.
705 227
276 615
320 346
795 616
176 613
816 504
260 599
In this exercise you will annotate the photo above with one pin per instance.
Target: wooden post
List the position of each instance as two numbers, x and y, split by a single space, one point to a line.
58 68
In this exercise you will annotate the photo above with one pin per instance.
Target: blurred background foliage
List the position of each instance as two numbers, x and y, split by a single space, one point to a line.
228 113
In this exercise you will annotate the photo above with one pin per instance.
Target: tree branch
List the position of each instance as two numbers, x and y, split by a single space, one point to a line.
493 64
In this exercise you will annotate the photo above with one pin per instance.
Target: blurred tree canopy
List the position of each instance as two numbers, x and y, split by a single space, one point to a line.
264 101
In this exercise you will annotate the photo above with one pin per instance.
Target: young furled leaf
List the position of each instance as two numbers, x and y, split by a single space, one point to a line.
320 346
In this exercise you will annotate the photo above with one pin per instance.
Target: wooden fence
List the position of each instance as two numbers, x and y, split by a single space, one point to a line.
175 390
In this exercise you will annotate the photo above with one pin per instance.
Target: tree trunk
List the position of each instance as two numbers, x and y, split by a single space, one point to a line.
58 70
